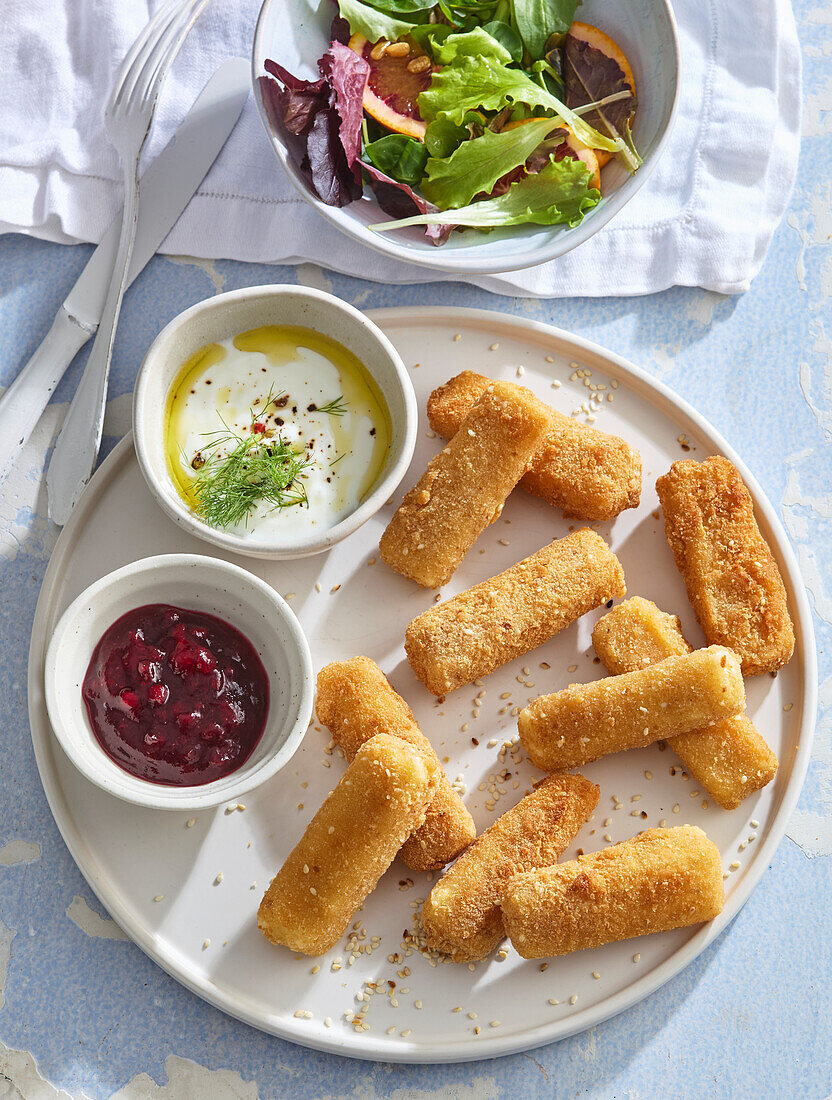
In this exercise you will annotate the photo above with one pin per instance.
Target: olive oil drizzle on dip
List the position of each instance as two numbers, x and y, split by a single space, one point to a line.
289 388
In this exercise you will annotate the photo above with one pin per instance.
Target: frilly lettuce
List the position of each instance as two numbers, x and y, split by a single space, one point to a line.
558 193
476 165
472 82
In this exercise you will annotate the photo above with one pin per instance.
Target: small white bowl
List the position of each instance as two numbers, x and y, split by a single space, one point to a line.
237 311
197 583
295 33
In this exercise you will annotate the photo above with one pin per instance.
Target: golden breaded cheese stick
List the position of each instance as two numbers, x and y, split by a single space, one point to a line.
587 473
462 917
356 702
348 845
732 579
730 758
587 721
465 486
490 624
661 879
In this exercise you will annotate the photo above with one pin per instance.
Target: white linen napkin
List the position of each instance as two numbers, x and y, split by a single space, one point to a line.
705 217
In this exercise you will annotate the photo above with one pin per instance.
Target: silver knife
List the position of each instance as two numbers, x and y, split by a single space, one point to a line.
166 188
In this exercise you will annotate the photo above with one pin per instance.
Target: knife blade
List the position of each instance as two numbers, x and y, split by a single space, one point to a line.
166 188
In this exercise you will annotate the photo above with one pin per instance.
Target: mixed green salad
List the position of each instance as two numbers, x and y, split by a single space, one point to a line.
460 113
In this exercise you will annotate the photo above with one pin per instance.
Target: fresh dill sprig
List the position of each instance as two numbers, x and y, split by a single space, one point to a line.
336 407
232 482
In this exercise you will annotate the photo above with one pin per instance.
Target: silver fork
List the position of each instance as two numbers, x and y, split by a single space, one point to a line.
128 117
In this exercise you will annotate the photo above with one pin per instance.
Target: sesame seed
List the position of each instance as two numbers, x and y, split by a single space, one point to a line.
734 866
206 944
317 586
334 589
573 1000
552 1001
289 596
754 824
495 1023
494 347
521 371
596 975
327 1021
457 336
189 824
218 879
637 956
159 897
405 1033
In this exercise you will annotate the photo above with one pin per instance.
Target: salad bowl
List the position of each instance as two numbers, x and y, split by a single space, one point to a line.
296 33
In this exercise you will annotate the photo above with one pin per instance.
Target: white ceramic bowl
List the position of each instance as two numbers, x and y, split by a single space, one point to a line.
295 33
224 316
198 583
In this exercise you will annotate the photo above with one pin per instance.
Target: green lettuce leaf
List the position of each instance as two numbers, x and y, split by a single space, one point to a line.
398 156
477 165
371 23
477 42
472 82
536 20
557 193
443 136
507 36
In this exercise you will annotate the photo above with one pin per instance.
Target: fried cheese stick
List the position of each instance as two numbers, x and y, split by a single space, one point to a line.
587 721
462 917
465 486
490 624
732 579
730 758
589 474
661 879
348 845
356 702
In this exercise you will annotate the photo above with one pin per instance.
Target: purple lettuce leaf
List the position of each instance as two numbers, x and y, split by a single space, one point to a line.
299 100
340 30
346 73
400 201
320 121
333 179
590 75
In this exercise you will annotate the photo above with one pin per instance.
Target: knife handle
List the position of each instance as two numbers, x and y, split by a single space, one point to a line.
23 402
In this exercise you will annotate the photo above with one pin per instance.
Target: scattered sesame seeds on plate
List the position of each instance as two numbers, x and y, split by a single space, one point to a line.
504 1006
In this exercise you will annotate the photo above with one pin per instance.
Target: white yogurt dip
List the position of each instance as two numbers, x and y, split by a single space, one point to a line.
324 405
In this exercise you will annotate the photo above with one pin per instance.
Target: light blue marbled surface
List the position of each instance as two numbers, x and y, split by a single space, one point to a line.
750 1018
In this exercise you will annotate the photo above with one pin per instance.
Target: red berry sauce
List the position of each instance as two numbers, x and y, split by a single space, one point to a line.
176 697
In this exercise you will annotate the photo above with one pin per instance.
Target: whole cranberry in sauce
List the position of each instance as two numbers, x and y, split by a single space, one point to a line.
176 697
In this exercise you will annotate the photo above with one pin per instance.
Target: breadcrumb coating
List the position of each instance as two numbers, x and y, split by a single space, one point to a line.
462 916
356 702
730 758
465 486
587 473
348 845
732 579
659 880
587 721
489 625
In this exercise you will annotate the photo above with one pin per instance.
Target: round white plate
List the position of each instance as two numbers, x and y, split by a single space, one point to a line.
205 934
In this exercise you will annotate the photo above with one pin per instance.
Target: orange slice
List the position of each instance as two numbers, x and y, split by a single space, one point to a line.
393 88
585 32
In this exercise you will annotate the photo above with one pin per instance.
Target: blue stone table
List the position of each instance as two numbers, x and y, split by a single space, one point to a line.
83 1013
